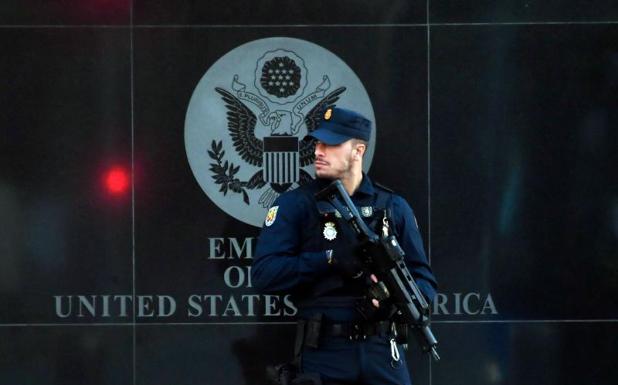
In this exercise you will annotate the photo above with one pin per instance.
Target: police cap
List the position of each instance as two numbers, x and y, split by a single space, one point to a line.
339 125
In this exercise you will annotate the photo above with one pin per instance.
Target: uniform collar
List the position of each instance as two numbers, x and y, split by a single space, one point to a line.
365 187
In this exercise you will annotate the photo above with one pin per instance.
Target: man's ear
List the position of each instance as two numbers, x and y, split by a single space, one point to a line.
360 150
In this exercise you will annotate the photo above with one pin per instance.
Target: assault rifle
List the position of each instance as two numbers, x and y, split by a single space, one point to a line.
385 259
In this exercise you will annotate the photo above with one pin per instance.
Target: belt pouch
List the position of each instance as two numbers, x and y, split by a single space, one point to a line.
312 331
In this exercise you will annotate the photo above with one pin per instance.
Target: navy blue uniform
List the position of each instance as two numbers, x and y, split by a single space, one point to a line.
291 257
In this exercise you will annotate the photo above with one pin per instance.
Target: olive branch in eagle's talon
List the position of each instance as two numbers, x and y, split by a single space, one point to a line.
224 174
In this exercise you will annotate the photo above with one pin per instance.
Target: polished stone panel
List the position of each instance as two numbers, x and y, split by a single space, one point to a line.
518 353
522 156
65 12
65 355
66 124
521 11
278 12
210 354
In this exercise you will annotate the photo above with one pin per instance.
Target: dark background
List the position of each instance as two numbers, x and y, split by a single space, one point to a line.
497 123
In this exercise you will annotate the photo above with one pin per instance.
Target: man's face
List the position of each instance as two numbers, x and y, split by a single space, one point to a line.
333 161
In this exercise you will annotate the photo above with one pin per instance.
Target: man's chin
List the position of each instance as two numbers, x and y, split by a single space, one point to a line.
324 175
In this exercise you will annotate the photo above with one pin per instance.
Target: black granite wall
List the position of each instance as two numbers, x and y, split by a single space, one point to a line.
496 120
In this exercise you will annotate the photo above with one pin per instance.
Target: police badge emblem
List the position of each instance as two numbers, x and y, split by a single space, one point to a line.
330 232
367 211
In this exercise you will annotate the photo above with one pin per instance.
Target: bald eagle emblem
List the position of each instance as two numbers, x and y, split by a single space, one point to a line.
280 153
249 114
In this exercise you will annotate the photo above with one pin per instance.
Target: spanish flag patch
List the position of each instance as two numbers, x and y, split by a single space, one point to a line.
271 216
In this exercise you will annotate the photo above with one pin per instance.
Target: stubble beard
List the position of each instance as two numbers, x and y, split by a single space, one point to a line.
336 174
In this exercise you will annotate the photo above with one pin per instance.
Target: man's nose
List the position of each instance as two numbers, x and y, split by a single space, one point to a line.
319 149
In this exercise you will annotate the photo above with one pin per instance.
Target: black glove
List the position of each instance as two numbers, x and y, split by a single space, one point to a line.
345 259
368 251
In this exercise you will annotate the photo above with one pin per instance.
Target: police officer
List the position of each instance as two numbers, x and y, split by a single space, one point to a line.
305 248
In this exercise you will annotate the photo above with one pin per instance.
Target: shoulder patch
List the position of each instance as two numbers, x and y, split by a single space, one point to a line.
271 216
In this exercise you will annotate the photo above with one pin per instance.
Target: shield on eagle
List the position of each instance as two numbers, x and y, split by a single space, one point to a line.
280 159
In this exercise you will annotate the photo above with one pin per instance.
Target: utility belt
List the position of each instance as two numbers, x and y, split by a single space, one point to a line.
356 330
310 331
315 324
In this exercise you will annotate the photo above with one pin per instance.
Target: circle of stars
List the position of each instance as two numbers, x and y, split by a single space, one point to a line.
280 77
